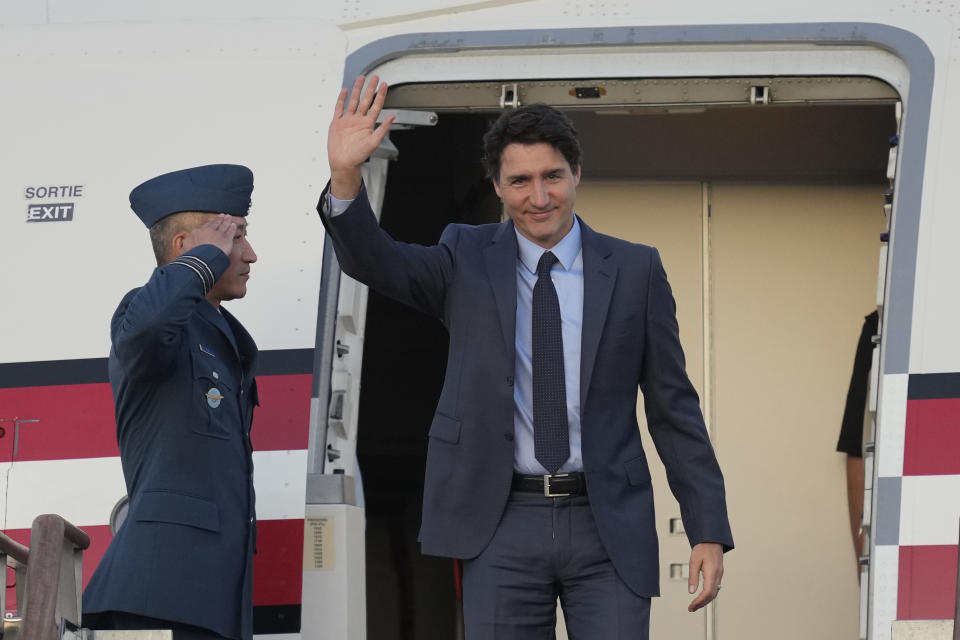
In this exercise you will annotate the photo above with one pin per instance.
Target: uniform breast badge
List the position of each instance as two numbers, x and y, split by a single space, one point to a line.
213 397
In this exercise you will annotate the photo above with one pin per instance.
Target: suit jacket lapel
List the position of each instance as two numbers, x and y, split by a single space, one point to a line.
599 277
501 257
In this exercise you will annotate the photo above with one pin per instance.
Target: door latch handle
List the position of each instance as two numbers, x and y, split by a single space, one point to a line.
16 432
679 570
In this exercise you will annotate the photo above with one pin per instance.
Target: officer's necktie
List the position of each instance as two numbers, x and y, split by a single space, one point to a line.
551 439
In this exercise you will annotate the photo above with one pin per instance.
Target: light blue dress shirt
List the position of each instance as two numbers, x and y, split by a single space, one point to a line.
567 276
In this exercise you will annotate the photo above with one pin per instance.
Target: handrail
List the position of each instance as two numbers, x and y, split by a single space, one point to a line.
44 580
77 536
14 549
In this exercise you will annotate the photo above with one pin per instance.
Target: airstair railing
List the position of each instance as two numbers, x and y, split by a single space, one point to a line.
13 555
49 577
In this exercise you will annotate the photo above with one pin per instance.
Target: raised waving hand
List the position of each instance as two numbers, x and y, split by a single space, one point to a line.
354 135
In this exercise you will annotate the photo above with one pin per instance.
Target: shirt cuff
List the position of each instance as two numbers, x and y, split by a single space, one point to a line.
336 206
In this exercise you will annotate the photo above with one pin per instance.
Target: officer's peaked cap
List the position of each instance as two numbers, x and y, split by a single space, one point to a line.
213 188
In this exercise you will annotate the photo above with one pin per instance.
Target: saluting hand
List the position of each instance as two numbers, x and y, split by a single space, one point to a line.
354 136
219 231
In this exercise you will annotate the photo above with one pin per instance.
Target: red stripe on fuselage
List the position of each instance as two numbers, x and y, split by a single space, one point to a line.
927 586
277 567
72 421
77 421
282 421
932 437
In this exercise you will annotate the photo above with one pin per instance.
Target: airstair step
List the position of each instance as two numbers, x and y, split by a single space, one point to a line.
922 630
132 634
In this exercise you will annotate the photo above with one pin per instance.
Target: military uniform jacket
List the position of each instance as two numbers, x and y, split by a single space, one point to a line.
630 342
183 386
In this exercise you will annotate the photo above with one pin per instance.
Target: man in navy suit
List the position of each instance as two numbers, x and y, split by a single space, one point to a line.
182 372
536 476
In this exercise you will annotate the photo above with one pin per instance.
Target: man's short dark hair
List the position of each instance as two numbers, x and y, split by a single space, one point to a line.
530 124
163 230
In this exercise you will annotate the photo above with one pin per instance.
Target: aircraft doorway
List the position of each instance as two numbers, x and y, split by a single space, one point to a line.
768 222
437 180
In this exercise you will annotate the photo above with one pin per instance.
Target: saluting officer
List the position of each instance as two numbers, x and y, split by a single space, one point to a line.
182 372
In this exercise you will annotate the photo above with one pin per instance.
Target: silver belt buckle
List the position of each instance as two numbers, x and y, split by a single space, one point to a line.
546 485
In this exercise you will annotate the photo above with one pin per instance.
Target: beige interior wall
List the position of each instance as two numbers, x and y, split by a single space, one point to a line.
669 217
793 274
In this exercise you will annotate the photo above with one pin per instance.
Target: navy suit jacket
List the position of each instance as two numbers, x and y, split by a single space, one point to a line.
184 552
629 342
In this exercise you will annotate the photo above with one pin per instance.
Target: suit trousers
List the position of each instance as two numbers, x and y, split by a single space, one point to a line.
545 549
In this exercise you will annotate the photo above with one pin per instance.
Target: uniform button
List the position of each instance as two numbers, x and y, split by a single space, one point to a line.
251 520
508 436
509 381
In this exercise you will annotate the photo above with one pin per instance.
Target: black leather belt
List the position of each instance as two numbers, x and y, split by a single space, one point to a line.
558 485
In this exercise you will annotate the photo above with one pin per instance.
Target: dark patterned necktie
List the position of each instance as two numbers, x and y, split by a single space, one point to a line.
551 439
